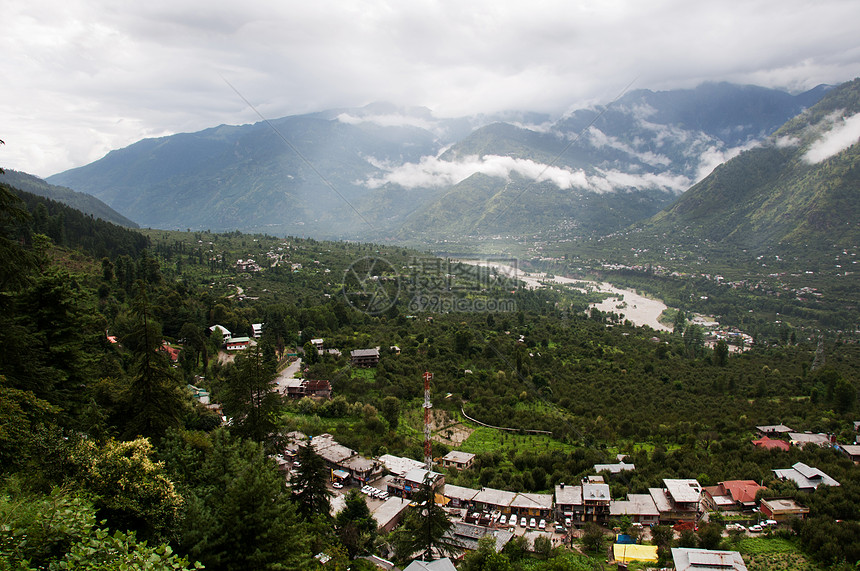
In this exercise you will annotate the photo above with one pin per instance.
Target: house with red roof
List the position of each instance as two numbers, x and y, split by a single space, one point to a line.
732 495
172 352
772 443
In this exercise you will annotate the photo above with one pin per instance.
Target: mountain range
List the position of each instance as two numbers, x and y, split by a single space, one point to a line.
797 187
383 172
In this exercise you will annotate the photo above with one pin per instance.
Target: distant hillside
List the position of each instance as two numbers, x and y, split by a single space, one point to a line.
80 201
69 227
388 173
801 186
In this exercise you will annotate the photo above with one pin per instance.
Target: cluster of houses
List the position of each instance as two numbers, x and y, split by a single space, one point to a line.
781 437
677 501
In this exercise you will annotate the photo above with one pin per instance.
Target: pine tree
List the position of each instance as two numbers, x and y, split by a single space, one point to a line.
310 494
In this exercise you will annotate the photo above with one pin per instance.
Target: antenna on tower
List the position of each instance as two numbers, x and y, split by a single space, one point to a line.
428 456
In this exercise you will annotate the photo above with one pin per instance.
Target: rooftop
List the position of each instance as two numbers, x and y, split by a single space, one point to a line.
494 497
805 476
532 501
458 457
614 468
459 492
568 495
636 504
777 428
705 559
683 490
399 465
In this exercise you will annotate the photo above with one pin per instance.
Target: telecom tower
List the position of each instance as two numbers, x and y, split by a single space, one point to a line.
428 456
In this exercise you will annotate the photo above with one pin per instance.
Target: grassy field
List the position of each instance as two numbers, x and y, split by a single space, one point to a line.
773 554
492 440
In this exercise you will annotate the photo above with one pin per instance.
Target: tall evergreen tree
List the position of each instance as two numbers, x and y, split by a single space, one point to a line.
156 400
424 528
249 397
310 494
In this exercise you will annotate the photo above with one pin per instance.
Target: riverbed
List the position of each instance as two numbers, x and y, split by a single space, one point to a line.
639 309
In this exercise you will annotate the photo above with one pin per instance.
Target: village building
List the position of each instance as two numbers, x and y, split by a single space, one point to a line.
443 564
782 509
458 496
348 461
678 501
803 438
225 333
172 352
412 481
850 450
588 502
732 495
490 500
775 430
771 443
364 357
458 460
806 477
390 513
237 343
614 468
466 535
257 330
532 505
687 559
399 465
640 508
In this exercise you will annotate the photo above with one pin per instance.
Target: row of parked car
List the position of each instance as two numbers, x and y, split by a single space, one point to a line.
757 528
374 492
503 519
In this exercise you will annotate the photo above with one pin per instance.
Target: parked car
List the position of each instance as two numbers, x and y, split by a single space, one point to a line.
770 522
567 522
337 485
523 521
503 520
559 529
532 523
542 524
383 495
755 528
736 526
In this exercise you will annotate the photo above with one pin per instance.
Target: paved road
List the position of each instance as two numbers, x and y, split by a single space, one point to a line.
286 374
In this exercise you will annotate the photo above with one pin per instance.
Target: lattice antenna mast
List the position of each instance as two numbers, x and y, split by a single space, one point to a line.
428 456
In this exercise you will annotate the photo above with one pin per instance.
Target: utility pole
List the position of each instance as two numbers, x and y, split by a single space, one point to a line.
428 456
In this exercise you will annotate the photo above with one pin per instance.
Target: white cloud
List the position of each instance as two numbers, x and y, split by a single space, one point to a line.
844 133
714 156
84 76
389 120
601 139
786 141
433 172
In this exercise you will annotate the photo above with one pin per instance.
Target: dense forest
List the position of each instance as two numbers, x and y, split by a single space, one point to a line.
106 457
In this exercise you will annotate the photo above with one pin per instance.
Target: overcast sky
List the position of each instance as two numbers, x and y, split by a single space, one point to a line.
82 77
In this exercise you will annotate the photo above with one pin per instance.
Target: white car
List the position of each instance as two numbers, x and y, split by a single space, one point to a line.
503 520
337 485
532 523
770 522
542 524
735 526
523 521
755 528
